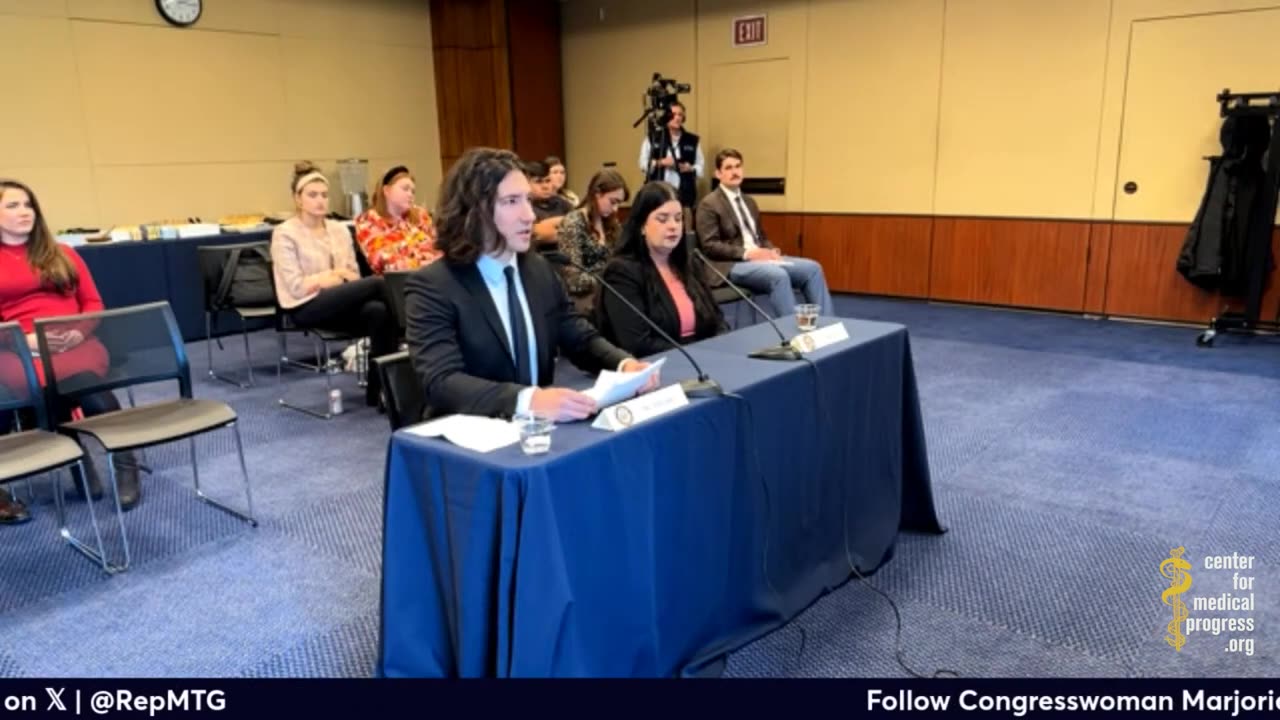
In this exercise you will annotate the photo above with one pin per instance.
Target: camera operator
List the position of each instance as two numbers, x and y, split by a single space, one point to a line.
678 159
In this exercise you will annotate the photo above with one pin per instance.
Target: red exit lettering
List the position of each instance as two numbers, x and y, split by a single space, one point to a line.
749 31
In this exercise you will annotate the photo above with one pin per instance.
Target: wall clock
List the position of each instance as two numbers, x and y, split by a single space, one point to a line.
182 13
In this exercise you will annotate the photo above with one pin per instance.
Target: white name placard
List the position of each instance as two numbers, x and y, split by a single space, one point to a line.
637 410
820 338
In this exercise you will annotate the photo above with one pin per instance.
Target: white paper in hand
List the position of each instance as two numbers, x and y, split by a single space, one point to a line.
473 432
612 387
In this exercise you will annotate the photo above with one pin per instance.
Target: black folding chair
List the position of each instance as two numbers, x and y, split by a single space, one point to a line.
323 354
362 262
36 451
404 395
148 340
395 291
237 279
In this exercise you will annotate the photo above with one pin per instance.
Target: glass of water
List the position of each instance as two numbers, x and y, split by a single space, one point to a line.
535 432
807 317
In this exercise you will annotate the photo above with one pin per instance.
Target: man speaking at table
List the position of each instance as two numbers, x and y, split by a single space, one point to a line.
485 322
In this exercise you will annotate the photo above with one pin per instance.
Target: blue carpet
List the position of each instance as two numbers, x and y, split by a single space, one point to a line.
1068 456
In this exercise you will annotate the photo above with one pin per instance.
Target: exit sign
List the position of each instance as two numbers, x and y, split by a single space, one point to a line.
748 31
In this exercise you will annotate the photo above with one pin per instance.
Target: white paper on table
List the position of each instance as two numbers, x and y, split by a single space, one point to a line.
473 432
612 387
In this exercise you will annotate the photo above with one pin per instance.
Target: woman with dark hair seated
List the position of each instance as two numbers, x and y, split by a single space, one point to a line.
653 269
588 235
317 280
40 278
559 179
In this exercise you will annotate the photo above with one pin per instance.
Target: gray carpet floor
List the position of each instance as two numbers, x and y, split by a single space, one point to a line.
1068 457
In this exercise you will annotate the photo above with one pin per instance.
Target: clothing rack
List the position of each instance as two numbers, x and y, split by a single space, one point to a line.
1259 265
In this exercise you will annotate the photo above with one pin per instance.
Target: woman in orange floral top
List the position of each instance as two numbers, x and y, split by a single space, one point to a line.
395 234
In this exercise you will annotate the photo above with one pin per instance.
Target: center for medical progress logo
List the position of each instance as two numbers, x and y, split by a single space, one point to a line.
1222 606
1175 569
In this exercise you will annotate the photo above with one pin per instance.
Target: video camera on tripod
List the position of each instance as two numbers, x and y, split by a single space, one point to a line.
658 99
661 94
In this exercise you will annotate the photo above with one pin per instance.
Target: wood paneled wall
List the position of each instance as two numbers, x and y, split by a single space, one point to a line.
1102 268
473 96
537 97
880 255
1024 263
496 86
1142 281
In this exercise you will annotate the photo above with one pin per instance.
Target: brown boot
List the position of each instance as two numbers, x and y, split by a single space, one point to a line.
12 512
91 474
127 481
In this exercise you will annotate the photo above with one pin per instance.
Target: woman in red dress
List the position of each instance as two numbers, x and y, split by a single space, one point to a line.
40 278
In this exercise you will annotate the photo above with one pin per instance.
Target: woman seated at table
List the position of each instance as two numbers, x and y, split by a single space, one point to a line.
317 280
560 179
653 269
587 235
39 278
396 234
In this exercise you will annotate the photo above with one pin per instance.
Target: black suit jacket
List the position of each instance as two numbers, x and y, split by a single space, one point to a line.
719 232
639 282
459 347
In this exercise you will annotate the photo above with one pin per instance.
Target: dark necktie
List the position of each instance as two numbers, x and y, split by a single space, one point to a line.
519 334
746 220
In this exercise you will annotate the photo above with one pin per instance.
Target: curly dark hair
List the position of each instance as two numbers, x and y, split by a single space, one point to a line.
464 213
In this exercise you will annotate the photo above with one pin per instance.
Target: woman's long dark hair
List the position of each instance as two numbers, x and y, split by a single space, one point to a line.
55 269
603 183
632 245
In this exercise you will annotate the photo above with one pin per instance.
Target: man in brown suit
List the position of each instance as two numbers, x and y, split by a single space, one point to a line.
729 230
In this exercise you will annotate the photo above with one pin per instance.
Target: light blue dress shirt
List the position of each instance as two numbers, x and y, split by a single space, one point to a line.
491 271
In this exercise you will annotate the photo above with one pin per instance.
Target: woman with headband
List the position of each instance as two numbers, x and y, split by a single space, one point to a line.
317 280
396 234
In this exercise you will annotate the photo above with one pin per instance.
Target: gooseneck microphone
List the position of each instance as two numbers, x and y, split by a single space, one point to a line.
783 351
704 386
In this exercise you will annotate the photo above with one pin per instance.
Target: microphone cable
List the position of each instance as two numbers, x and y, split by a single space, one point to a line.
824 412
764 486
897 641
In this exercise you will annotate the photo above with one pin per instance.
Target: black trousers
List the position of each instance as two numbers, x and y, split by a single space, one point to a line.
91 405
357 308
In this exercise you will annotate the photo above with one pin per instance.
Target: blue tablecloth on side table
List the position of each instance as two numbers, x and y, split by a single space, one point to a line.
657 550
131 273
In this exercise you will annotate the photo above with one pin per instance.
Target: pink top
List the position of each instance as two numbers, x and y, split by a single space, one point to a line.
684 304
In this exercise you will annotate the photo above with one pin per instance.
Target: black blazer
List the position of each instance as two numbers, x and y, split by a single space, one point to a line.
639 282
719 232
459 347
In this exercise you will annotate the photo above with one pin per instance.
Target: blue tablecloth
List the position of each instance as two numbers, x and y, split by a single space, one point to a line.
130 273
657 550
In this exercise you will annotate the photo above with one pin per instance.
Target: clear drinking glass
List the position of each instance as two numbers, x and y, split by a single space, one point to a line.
535 433
807 317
